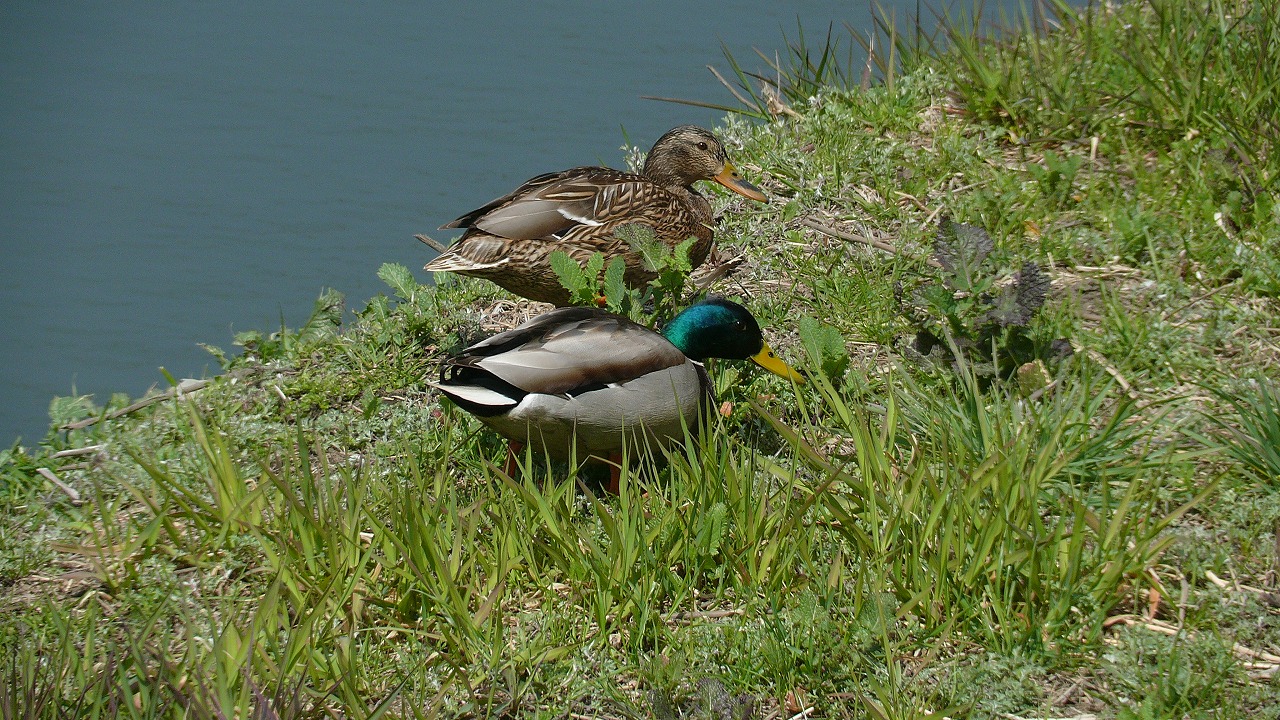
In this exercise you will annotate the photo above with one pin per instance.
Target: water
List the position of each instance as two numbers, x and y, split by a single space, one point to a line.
173 173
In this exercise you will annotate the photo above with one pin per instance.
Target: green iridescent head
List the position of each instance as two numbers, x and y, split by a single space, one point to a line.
722 328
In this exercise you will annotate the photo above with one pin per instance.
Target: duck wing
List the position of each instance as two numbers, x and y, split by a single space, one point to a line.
554 204
529 186
566 352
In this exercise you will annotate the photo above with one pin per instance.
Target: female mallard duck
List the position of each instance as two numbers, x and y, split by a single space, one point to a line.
509 240
581 382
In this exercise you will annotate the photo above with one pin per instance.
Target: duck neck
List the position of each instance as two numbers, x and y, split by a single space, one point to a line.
662 173
659 168
694 201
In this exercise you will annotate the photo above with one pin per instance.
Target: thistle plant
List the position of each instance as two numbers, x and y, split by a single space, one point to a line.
984 315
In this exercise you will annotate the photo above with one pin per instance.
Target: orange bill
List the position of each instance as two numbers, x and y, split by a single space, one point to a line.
730 178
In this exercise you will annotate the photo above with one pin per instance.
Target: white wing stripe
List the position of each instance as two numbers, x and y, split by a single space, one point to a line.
578 218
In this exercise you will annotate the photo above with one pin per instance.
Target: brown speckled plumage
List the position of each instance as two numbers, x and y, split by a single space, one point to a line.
510 239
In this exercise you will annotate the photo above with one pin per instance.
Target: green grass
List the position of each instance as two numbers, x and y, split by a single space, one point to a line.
315 534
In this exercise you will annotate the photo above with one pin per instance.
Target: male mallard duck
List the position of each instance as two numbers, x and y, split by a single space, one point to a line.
510 239
581 381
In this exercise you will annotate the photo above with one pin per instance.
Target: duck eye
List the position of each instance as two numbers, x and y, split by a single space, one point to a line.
702 145
740 325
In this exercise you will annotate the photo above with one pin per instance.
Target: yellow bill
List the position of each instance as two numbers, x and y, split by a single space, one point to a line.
770 361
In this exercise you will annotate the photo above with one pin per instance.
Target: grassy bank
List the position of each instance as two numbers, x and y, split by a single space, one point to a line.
924 528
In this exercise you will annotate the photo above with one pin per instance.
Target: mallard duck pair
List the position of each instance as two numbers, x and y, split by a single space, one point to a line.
582 382
509 240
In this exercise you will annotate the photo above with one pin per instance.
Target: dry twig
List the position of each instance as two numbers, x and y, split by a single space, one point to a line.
1258 659
703 615
70 491
185 387
1086 716
1199 298
718 272
434 244
850 237
1109 368
74 452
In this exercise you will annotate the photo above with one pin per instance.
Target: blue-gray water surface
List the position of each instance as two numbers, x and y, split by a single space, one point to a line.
173 173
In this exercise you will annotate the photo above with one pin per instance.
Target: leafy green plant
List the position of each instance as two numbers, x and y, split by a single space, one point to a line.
400 279
825 347
584 282
671 265
970 312
259 347
1056 176
659 300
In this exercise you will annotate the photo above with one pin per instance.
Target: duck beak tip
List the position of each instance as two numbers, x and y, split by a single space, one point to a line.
729 178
